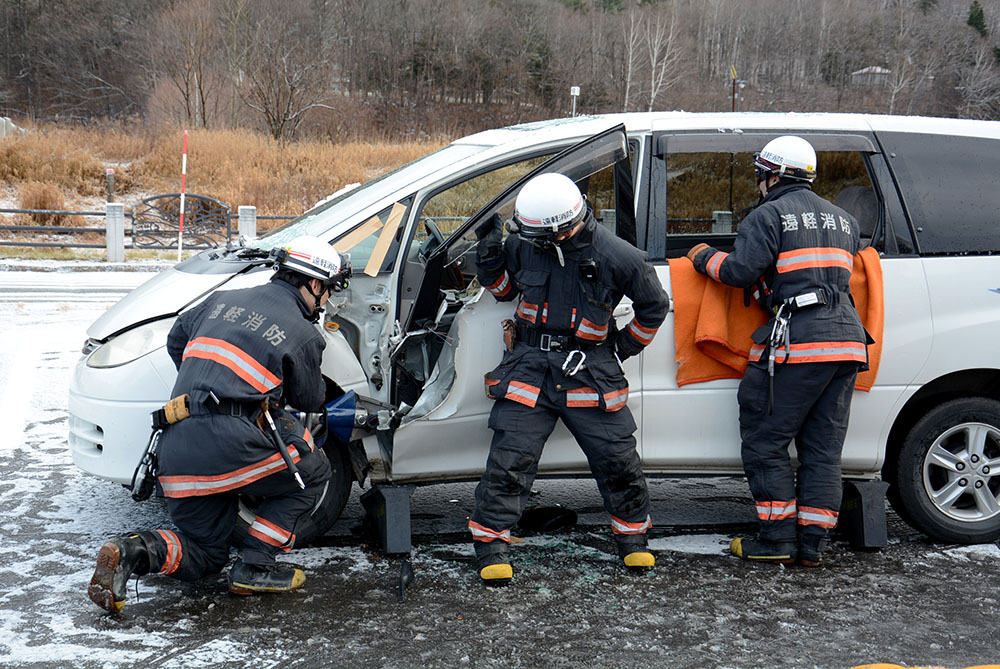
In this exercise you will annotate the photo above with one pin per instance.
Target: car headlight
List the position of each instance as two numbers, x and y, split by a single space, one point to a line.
131 344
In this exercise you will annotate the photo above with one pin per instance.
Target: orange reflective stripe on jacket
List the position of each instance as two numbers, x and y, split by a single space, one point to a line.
522 393
641 334
501 286
715 264
527 311
789 261
235 359
195 486
816 351
591 331
582 397
616 399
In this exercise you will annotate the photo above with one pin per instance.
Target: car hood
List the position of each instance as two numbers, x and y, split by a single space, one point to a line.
166 294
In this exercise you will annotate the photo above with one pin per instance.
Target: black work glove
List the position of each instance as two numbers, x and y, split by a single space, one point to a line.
490 250
623 349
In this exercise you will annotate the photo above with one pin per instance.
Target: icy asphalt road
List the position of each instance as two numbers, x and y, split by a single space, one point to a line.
914 603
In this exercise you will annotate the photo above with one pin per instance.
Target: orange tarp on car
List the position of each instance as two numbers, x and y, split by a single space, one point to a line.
712 326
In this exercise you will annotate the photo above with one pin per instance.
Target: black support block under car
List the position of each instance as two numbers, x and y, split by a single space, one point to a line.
387 510
862 514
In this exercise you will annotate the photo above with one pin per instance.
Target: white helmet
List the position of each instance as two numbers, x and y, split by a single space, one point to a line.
314 258
789 157
547 205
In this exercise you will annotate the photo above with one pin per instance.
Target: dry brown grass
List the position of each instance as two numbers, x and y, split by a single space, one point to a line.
236 166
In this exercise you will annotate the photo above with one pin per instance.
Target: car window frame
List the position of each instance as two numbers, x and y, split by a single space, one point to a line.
665 142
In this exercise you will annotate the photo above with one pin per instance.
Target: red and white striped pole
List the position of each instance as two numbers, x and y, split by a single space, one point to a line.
184 169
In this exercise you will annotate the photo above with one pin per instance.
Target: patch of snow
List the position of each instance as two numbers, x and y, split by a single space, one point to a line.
696 544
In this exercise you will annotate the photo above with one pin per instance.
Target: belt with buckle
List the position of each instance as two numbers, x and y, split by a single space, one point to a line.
228 407
547 341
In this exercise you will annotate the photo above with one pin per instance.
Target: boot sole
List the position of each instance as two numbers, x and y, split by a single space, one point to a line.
102 584
244 589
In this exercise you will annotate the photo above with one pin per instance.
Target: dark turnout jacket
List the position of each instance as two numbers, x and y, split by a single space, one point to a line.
795 244
240 347
575 302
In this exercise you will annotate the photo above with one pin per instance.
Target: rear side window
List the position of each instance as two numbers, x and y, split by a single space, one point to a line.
949 188
707 194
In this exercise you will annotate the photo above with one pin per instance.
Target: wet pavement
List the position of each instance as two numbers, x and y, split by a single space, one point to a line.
913 603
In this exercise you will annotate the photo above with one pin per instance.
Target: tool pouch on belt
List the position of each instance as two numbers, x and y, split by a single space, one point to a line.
509 333
172 412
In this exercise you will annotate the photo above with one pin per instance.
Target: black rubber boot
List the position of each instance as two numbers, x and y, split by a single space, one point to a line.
632 549
495 570
249 579
762 550
117 560
811 547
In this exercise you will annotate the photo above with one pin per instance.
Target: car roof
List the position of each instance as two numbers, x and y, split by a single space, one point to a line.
530 134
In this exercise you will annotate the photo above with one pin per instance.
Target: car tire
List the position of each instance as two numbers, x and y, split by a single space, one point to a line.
947 476
312 527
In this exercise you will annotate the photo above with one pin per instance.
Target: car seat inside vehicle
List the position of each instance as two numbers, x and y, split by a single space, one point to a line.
861 203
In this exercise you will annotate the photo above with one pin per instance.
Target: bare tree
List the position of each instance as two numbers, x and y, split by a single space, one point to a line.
631 40
663 50
186 46
284 69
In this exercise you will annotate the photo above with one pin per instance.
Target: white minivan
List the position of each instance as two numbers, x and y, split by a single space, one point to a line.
415 332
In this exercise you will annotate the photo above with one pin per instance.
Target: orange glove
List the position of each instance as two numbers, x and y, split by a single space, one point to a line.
693 253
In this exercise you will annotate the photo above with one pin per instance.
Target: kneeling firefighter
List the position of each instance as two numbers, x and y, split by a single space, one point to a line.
562 361
242 356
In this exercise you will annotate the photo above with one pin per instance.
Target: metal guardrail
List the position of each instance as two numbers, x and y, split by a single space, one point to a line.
195 230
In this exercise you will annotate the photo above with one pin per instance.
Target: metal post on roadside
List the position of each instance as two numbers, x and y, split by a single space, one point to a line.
114 221
246 226
109 180
574 92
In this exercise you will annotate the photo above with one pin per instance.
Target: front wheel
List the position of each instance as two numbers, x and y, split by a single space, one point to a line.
313 526
948 472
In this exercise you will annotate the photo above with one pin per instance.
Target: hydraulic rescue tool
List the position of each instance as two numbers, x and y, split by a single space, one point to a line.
280 445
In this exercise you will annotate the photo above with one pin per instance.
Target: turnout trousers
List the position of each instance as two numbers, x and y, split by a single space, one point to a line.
812 404
205 523
519 434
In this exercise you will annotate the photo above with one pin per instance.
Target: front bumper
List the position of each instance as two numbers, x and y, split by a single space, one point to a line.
109 413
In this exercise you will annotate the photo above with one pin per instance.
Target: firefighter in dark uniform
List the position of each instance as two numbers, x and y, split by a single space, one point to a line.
237 352
798 249
568 273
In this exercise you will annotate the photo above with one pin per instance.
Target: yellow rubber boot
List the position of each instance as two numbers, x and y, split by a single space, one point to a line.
759 550
495 570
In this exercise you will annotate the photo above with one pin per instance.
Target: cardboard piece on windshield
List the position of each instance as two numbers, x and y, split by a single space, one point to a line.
385 239
369 228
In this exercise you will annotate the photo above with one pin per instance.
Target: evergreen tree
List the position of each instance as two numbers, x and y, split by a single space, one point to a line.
977 18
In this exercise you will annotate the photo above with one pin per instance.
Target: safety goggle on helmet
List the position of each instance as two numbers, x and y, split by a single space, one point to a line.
548 205
789 157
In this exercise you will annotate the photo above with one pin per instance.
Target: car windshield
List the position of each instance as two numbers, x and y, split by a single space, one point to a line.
321 218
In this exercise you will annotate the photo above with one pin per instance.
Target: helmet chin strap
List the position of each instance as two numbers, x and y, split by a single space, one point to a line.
559 254
317 309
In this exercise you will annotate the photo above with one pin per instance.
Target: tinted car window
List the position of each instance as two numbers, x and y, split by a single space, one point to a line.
708 194
948 187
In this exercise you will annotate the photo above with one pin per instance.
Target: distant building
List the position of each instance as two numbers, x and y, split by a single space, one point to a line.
871 76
